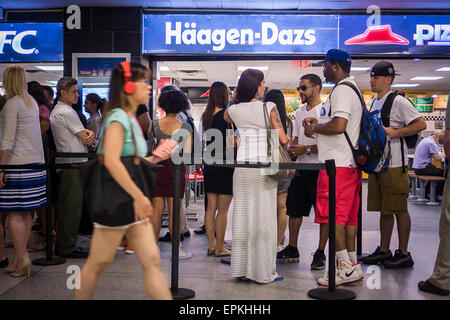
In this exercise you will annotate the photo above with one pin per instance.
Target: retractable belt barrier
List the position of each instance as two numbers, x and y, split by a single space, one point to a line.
179 293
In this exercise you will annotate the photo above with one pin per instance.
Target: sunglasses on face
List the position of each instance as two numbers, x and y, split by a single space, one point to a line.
303 88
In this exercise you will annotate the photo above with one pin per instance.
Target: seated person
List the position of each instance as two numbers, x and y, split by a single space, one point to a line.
426 151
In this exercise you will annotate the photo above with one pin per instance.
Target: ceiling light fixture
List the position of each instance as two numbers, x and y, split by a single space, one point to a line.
328 85
405 85
164 68
261 68
443 69
360 68
51 68
426 78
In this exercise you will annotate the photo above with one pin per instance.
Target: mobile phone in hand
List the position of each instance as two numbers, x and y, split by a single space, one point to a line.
167 143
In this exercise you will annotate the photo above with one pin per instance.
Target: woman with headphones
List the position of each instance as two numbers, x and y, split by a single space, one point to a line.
129 87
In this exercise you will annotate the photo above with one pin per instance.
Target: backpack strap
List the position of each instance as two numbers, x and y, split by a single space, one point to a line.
386 109
385 119
363 105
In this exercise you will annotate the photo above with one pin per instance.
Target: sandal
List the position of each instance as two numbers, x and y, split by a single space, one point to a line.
226 253
243 279
279 277
211 252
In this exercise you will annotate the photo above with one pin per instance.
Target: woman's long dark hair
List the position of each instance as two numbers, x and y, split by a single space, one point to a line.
277 97
37 92
218 97
117 97
95 98
248 85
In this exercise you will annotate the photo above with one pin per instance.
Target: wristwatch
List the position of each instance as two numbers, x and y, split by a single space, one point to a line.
308 149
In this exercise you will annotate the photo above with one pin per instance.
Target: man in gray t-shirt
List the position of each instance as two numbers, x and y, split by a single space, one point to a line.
388 191
439 281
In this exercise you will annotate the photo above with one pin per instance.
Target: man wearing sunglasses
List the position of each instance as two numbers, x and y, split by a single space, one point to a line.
302 190
340 116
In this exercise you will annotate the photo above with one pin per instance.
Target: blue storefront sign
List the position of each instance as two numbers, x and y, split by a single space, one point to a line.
31 42
396 34
295 34
225 34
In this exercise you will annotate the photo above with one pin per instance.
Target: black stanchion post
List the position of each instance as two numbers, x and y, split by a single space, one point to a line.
331 293
359 234
177 293
49 260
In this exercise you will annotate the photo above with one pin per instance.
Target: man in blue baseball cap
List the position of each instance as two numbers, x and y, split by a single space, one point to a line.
340 118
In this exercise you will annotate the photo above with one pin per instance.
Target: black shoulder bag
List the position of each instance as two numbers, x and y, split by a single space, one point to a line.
108 203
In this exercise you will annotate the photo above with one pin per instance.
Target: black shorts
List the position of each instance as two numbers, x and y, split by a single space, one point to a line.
302 193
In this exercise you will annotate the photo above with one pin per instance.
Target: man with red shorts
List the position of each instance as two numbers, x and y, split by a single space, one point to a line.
341 113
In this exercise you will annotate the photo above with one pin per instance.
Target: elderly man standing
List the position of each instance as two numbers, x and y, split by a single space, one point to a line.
439 282
70 136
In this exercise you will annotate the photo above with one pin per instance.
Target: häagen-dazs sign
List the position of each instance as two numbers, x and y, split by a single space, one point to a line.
218 33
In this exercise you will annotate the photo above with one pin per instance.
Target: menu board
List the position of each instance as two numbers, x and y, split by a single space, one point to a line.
424 104
440 102
292 101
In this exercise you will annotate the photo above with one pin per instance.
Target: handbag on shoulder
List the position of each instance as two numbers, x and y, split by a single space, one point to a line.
278 155
108 203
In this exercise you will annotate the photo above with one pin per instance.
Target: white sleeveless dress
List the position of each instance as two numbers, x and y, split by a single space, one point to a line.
254 199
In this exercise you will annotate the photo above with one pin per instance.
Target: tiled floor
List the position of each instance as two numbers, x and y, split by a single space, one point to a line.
211 279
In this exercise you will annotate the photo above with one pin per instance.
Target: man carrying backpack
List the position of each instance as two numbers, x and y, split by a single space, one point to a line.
388 191
340 118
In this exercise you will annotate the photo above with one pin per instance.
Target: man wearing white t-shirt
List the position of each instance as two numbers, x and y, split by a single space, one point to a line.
340 113
388 191
302 190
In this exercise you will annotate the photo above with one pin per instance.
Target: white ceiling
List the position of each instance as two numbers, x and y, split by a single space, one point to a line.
233 4
34 74
283 75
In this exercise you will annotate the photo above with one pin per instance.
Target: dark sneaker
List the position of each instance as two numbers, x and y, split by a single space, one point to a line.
319 259
427 286
399 260
288 254
168 238
377 257
187 234
200 230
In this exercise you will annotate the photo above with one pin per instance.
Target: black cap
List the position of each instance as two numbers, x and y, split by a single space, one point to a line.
383 68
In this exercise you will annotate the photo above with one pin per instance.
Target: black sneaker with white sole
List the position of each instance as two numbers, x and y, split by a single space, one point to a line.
377 257
288 254
399 260
319 260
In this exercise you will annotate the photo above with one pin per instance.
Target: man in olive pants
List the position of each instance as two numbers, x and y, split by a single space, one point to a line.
70 136
439 282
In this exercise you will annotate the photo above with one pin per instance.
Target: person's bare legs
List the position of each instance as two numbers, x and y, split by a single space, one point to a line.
210 219
19 223
340 238
158 208
282 218
2 242
294 229
141 238
323 236
386 228
350 238
221 221
404 230
103 248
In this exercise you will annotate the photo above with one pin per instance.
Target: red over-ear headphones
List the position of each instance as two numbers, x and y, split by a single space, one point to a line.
129 87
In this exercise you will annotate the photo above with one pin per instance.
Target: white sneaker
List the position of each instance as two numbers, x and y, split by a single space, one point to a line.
183 255
345 274
359 270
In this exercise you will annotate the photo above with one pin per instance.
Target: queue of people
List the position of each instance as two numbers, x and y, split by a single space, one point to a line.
262 206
